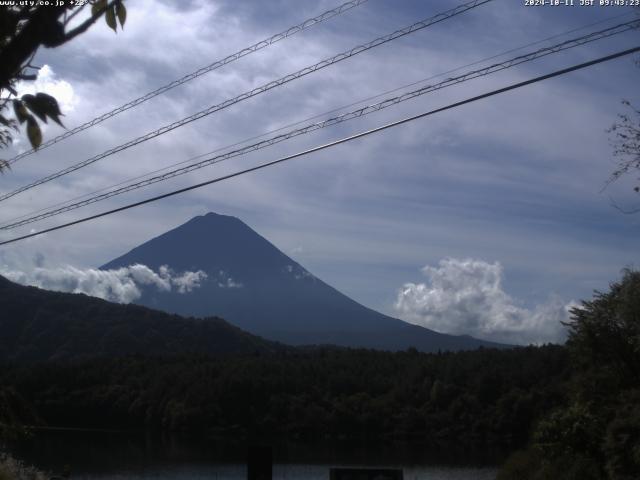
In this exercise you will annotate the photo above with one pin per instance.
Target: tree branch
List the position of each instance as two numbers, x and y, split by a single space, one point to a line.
38 30
615 205
24 76
75 12
83 27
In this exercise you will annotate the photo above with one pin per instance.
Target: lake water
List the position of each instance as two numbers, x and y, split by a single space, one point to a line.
119 456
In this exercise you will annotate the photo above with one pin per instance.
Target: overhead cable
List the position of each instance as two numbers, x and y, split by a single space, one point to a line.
331 144
256 91
360 112
310 22
314 117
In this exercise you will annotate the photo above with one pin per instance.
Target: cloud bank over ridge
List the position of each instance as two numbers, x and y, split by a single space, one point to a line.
465 296
122 285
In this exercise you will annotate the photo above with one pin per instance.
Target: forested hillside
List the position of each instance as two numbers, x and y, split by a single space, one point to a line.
574 409
479 399
39 325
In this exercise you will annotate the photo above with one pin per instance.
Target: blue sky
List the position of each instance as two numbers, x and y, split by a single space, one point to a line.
500 200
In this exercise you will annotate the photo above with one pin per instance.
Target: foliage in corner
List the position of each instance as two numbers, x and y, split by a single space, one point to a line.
627 142
626 146
13 469
24 28
597 433
604 333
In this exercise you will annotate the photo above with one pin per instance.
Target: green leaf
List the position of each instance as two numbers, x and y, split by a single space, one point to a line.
121 12
43 105
32 103
49 106
20 110
49 102
110 17
97 6
33 132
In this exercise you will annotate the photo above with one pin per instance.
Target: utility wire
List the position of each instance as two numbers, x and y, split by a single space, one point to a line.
256 91
591 37
314 117
310 22
320 115
332 144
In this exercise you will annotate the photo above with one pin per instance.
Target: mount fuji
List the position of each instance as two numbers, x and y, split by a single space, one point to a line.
256 287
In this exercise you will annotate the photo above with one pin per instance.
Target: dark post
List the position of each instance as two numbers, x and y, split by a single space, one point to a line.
260 463
365 474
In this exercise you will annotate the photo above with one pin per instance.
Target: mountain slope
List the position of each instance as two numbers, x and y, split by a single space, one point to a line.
39 325
257 287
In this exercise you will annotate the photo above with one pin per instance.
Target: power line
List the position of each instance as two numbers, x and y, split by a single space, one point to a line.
591 37
316 116
256 91
310 22
332 144
298 122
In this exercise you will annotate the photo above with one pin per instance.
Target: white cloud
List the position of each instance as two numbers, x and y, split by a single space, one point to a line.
225 281
185 282
466 297
121 285
298 272
48 82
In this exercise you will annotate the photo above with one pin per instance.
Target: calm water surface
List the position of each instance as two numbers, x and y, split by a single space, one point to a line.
119 456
